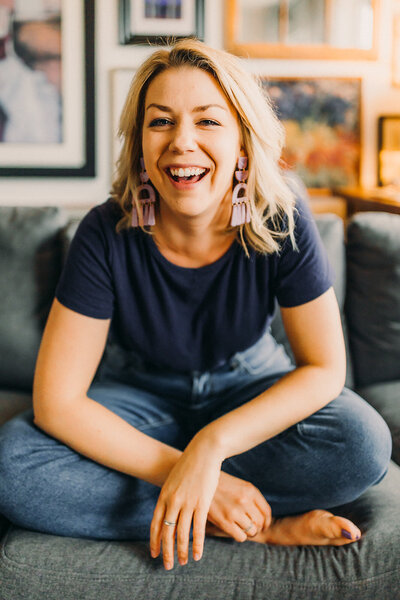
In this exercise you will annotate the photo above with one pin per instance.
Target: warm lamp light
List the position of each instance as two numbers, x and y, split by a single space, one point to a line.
389 150
390 167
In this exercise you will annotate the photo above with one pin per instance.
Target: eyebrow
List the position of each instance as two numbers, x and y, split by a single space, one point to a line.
196 109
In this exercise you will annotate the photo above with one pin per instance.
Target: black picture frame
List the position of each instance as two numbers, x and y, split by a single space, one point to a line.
87 166
126 36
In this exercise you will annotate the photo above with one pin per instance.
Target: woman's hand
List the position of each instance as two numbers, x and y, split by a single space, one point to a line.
238 509
185 497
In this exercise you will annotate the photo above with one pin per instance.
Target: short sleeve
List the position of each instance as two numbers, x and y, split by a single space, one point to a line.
304 273
86 284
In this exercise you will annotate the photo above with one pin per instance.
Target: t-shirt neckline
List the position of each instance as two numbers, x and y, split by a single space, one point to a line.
151 244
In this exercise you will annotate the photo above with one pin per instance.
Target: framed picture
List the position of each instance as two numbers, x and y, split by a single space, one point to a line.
157 21
47 109
120 82
389 150
311 29
322 121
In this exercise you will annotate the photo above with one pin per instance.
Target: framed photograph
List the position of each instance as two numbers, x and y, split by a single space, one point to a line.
389 150
296 29
120 83
322 119
47 109
157 21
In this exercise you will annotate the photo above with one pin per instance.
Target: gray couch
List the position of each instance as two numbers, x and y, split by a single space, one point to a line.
36 566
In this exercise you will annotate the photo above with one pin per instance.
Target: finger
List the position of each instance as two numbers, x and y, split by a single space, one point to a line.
228 527
182 536
265 510
168 540
199 529
255 521
156 528
247 523
252 528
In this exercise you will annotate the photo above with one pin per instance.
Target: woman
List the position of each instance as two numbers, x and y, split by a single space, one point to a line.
182 268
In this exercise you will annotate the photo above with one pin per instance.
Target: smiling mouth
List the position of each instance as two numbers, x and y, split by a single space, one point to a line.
189 175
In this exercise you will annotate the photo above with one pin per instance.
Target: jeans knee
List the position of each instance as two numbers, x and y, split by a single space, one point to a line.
367 446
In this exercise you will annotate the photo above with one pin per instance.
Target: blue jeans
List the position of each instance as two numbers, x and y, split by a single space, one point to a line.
326 460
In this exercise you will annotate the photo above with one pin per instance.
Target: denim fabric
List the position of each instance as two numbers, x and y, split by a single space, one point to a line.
328 459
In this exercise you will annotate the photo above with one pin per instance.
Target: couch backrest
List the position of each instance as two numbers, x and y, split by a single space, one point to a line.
34 241
373 296
30 263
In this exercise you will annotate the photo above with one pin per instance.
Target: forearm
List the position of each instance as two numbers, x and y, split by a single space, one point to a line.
294 397
96 432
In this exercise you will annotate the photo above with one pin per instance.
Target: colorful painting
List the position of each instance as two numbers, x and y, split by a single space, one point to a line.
322 122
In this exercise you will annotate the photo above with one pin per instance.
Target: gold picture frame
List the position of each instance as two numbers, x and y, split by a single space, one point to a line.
280 48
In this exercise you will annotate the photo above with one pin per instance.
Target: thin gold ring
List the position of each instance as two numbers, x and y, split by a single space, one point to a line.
249 527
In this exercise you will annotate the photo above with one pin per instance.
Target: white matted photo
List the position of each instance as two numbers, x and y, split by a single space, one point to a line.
156 21
47 88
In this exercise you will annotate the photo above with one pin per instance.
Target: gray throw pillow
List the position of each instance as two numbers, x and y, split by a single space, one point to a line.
30 264
373 296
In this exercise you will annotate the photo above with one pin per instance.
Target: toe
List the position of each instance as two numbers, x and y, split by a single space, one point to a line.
341 529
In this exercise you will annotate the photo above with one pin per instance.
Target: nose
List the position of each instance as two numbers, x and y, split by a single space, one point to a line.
183 139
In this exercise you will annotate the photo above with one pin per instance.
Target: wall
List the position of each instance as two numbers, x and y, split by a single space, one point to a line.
378 98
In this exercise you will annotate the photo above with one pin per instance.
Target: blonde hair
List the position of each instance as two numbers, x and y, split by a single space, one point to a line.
271 199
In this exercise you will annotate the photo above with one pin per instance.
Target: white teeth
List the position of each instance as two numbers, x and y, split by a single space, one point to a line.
188 172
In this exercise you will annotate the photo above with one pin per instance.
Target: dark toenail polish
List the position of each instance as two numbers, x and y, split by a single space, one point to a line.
346 534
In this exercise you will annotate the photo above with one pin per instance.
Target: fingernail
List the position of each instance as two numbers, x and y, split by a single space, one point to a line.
347 534
168 566
153 553
182 561
197 556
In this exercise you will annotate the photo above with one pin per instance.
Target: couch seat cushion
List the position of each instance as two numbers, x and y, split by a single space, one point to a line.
38 566
385 397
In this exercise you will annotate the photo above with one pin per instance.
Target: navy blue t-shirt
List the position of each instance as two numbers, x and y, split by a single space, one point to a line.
186 319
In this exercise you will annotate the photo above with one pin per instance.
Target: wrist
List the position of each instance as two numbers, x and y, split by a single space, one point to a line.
210 443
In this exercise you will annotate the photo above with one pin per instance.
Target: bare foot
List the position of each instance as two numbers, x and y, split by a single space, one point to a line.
317 528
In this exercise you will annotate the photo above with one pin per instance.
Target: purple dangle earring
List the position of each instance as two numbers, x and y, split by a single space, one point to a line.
147 204
240 205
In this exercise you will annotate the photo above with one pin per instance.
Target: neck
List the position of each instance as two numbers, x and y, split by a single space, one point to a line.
192 242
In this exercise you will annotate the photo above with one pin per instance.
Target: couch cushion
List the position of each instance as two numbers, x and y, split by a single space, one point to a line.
385 397
373 296
331 230
12 403
37 566
30 262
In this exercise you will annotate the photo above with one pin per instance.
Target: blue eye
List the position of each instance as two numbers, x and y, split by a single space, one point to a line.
209 122
159 122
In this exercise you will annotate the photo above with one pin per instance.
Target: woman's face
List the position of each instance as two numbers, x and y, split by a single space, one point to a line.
191 141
